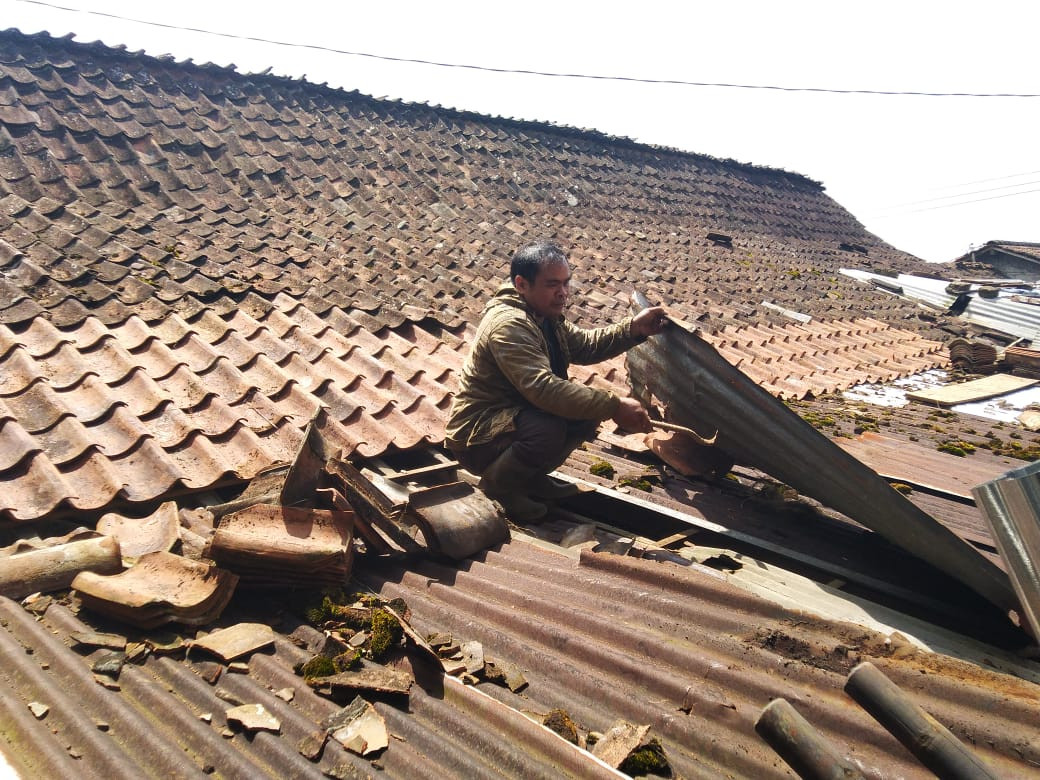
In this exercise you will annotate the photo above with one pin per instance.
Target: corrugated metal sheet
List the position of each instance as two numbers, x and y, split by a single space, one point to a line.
604 638
1011 505
700 389
1007 316
919 465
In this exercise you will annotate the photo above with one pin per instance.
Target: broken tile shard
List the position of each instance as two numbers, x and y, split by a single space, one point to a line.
286 694
365 734
312 745
619 741
253 717
140 535
235 641
98 639
110 663
473 657
504 673
378 679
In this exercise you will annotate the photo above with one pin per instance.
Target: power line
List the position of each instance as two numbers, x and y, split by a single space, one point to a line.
993 178
961 203
527 72
972 192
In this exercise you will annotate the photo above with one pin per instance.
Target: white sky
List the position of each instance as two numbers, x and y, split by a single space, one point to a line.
904 166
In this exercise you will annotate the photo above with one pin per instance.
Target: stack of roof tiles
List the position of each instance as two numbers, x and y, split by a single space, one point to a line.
971 355
266 544
192 261
160 588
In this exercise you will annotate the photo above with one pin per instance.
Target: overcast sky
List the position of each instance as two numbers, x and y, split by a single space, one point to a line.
931 175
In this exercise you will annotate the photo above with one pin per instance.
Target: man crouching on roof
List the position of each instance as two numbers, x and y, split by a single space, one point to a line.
517 416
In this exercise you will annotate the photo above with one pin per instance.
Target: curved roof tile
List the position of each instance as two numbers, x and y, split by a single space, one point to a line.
216 256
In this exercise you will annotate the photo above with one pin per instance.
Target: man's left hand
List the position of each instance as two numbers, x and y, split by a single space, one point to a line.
649 322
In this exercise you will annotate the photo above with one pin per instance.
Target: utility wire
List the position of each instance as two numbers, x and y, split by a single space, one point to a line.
972 192
525 72
952 205
986 181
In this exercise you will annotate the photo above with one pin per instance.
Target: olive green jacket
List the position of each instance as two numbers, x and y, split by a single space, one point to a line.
508 370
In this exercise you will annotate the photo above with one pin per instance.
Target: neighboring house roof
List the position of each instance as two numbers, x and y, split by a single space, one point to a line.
1024 250
193 260
988 257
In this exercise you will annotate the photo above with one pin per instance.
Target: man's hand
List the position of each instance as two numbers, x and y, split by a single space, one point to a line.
649 322
631 416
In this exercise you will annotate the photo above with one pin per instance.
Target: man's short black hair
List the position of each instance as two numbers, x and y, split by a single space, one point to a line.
530 258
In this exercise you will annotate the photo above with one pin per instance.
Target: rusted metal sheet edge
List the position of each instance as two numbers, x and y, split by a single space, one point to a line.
704 391
1011 506
500 715
795 555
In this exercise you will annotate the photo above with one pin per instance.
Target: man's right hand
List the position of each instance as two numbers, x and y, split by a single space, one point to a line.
631 416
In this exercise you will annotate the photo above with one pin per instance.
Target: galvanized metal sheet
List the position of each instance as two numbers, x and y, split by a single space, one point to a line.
1011 506
1002 313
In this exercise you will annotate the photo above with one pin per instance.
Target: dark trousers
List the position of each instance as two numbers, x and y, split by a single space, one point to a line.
540 440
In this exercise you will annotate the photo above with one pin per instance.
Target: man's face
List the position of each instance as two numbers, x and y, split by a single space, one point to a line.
547 295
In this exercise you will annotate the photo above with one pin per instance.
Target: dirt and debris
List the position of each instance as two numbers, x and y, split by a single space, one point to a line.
839 417
624 746
356 626
630 749
559 721
839 658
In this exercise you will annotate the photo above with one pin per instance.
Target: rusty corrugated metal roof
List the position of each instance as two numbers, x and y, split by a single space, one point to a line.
604 638
698 388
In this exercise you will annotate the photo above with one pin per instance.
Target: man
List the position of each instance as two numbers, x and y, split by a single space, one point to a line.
516 416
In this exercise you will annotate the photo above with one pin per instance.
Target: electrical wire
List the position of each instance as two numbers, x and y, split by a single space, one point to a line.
986 181
972 192
527 72
961 203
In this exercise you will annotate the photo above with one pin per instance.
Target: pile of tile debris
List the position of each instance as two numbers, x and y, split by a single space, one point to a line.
182 566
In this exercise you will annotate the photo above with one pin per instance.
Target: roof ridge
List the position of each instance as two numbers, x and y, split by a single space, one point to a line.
270 78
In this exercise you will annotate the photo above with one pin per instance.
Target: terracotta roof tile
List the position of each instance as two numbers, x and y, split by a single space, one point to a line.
215 256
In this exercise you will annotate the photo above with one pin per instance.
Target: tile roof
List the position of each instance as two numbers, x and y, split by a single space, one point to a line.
155 187
193 261
977 258
135 410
